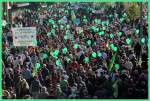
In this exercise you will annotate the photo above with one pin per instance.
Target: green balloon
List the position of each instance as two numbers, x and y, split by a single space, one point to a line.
89 42
45 56
99 53
58 63
107 22
37 65
86 59
53 31
5 13
54 26
49 34
59 21
117 66
137 31
110 15
111 35
75 46
55 54
97 29
143 40
103 23
61 26
124 14
68 26
98 21
121 19
104 28
120 34
101 33
64 50
112 46
128 41
115 49
94 54
68 59
51 21
85 20
66 37
116 15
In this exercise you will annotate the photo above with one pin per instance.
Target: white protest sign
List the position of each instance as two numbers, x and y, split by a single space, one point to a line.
41 18
25 36
4 23
64 20
79 29
98 11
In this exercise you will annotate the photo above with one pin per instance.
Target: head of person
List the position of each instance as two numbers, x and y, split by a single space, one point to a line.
43 89
44 65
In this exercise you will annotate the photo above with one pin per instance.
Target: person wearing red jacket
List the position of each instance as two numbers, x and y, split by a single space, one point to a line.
73 65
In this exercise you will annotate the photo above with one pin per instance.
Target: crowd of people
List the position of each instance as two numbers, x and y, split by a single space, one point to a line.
80 54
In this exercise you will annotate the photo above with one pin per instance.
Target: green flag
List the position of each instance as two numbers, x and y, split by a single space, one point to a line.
112 61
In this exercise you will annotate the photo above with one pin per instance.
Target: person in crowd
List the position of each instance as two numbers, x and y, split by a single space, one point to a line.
35 87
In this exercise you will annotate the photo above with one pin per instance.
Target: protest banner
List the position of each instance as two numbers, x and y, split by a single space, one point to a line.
22 4
25 36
